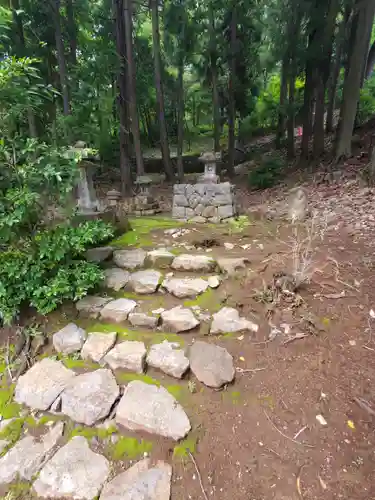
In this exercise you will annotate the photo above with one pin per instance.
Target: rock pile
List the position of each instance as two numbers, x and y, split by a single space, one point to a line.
203 202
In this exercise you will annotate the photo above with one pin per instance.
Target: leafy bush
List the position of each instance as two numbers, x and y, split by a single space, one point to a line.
268 173
48 268
40 266
366 106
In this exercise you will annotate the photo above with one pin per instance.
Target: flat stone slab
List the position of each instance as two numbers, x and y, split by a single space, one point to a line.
169 358
92 305
116 278
211 364
140 319
187 262
99 254
185 287
90 396
118 310
97 345
231 265
179 319
228 320
149 408
146 281
130 355
28 455
214 281
130 259
160 257
74 472
142 481
69 339
42 384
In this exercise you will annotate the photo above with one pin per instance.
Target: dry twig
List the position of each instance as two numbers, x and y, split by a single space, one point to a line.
198 474
284 435
300 432
362 403
297 336
250 370
298 482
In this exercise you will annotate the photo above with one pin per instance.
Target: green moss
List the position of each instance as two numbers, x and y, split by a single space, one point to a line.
12 433
207 300
189 444
129 448
46 419
141 227
18 491
125 378
71 363
8 408
148 336
92 432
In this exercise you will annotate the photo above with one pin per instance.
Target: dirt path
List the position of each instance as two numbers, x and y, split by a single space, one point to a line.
260 437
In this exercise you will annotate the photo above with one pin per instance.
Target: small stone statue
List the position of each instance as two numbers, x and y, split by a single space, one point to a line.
297 204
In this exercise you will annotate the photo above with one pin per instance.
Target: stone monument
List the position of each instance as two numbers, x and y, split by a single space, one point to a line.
144 203
207 201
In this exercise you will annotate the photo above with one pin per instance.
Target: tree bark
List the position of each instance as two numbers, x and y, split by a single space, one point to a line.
214 79
370 61
231 92
290 119
280 132
72 31
180 117
125 164
363 24
159 91
340 41
318 142
61 57
131 74
307 111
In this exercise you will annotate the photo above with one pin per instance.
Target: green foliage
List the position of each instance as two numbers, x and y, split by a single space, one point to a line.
366 105
268 173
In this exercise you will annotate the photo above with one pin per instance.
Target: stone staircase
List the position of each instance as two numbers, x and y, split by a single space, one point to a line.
96 398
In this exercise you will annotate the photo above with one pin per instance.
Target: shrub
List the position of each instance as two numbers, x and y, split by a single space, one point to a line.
49 267
268 173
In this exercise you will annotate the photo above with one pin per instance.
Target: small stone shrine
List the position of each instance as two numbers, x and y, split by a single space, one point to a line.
144 203
207 201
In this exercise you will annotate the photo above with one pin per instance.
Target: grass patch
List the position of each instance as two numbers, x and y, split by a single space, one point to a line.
12 433
92 432
206 300
8 408
149 337
125 378
188 444
129 448
141 227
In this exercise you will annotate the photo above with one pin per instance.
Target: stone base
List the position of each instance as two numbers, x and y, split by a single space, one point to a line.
120 222
203 202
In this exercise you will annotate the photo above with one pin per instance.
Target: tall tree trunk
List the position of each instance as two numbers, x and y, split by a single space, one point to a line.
370 61
132 96
61 56
72 31
363 24
180 116
21 52
125 164
214 79
318 142
307 111
280 132
231 92
159 91
291 111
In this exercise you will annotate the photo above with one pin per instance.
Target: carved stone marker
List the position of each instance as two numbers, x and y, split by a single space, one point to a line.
209 159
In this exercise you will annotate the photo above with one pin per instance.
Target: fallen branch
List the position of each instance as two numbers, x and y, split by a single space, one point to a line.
284 435
362 403
250 370
198 474
297 336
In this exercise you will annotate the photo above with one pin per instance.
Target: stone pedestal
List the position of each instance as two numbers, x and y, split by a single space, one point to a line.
203 202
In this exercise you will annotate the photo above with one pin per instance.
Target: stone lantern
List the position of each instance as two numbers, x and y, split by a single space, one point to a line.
87 201
113 197
209 160
144 202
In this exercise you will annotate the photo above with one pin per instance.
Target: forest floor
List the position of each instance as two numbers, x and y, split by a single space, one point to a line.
298 421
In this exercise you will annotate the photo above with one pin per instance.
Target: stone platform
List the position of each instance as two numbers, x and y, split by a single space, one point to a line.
203 202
